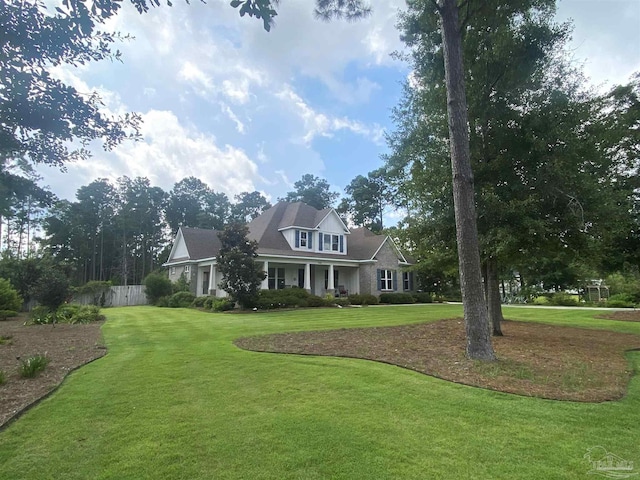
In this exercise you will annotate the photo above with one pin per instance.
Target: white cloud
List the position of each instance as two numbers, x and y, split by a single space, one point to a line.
232 116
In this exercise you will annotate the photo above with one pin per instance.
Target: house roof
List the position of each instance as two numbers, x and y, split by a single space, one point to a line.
266 230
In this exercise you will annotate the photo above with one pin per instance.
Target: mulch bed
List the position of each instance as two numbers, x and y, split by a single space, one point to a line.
66 346
538 360
622 315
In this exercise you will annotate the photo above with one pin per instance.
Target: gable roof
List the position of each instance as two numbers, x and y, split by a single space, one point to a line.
266 230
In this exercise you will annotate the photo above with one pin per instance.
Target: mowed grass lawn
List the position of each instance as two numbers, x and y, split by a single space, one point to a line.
174 398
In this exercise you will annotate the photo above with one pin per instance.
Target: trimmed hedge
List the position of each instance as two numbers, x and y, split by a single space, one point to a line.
289 298
363 299
422 297
396 298
180 300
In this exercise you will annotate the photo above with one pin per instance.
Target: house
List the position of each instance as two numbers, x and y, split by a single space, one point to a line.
299 246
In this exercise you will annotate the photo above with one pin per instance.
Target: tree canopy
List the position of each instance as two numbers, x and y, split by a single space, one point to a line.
314 191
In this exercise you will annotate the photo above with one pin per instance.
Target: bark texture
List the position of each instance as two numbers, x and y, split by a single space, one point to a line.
479 345
494 303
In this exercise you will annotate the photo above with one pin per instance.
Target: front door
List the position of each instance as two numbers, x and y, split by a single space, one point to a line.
301 277
205 283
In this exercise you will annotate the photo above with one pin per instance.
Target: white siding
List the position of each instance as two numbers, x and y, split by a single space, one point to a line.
332 224
181 249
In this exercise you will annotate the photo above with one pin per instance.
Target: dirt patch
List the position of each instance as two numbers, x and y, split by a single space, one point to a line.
622 315
538 360
66 346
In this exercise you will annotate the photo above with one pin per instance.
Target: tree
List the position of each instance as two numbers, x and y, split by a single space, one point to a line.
191 203
367 197
314 191
156 286
248 206
52 289
10 301
241 275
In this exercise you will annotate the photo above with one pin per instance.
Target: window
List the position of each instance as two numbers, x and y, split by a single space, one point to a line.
406 281
331 243
327 242
276 278
386 280
303 239
335 243
172 271
187 268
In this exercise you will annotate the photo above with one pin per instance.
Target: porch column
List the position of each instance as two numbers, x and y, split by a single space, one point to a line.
307 277
265 282
330 286
212 279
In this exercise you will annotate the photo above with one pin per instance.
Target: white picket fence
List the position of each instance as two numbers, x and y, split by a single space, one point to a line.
119 296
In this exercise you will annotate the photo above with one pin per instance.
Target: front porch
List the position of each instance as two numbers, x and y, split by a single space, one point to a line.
319 278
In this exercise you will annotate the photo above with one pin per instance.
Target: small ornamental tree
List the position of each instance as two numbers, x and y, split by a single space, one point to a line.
52 289
10 301
241 275
157 286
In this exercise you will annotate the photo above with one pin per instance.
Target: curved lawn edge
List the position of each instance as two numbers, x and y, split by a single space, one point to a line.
535 360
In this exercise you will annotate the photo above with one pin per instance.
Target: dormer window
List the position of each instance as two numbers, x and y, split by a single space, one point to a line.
303 239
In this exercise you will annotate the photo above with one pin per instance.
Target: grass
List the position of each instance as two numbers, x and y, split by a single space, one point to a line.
6 340
175 399
32 366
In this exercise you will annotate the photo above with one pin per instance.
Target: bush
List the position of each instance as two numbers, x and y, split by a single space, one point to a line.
363 299
283 298
181 299
52 289
30 367
87 314
163 301
343 302
563 299
222 305
208 303
621 300
4 314
41 316
157 286
10 301
541 300
315 301
198 302
422 297
396 298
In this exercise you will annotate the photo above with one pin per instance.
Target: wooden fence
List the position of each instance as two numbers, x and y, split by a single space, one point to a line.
119 296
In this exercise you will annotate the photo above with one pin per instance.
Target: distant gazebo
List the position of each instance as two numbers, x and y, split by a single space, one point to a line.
597 292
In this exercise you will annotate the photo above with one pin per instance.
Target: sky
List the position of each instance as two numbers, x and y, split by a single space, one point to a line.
243 109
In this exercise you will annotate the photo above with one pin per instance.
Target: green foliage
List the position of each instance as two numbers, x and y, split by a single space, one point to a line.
199 302
10 301
248 206
292 298
241 275
313 191
163 301
52 289
182 284
30 367
69 313
366 199
156 286
563 299
396 298
541 300
41 315
6 340
342 302
363 299
222 305
192 203
3 377
4 314
621 300
627 283
181 300
422 297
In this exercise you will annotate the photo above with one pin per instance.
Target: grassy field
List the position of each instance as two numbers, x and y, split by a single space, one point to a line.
175 399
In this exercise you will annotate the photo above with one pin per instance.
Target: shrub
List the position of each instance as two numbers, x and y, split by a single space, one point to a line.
198 302
222 305
163 301
422 297
563 299
52 289
182 284
10 301
4 314
30 367
66 312
87 314
156 286
6 339
315 301
3 377
181 299
208 303
621 300
396 298
41 316
283 298
541 300
343 302
363 299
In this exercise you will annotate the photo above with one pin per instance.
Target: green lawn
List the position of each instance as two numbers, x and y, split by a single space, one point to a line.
175 399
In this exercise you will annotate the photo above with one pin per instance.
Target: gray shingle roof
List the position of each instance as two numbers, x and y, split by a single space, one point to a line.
203 243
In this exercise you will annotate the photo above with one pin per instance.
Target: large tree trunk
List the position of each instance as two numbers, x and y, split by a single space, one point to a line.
494 303
475 311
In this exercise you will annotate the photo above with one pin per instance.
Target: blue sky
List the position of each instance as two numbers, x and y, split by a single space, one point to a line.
244 110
